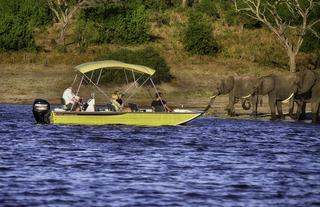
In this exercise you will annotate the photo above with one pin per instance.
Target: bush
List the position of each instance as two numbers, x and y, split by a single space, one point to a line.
118 24
147 57
197 36
208 7
36 12
228 13
157 5
15 34
84 34
18 19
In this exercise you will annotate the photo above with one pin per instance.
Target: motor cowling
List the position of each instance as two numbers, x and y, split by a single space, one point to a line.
41 111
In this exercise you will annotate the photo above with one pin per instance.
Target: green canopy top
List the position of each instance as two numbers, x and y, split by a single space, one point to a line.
113 64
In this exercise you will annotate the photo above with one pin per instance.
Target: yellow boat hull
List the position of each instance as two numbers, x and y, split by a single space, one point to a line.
128 118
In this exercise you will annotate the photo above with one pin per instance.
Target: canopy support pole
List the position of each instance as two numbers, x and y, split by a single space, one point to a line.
99 89
134 83
77 90
158 94
74 80
99 77
91 75
125 74
138 88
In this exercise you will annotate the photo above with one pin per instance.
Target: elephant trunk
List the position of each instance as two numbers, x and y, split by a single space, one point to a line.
246 105
291 109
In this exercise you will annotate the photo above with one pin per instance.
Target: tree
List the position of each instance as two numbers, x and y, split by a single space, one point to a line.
64 11
197 36
289 20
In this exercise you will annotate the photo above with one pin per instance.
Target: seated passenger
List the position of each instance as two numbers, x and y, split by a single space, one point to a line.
89 106
119 99
117 102
117 106
71 101
159 104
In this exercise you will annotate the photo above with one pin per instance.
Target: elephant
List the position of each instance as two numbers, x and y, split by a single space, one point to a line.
238 89
308 91
279 89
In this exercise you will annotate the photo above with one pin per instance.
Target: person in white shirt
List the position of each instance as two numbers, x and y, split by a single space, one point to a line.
71 101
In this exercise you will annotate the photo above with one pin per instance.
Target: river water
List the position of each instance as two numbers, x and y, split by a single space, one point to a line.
208 162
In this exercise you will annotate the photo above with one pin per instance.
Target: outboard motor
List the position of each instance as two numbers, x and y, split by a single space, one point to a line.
41 111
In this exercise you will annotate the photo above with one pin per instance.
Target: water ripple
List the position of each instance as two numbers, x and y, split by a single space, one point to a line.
209 162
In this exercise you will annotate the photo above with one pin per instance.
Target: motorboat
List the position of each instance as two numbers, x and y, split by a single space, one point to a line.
104 114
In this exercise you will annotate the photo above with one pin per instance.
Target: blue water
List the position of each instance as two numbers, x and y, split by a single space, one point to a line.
209 162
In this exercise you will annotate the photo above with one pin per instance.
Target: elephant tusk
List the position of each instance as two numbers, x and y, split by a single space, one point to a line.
244 97
212 97
287 100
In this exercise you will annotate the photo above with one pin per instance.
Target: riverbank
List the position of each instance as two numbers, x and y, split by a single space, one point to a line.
191 86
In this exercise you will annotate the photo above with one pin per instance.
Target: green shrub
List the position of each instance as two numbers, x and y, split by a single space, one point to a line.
15 34
84 33
208 7
36 12
156 5
18 19
119 24
198 37
147 57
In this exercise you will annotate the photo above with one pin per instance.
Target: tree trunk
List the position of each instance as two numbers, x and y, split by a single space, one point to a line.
184 3
292 61
62 36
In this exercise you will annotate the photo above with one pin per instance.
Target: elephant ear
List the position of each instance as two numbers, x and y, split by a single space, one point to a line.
306 81
266 84
227 85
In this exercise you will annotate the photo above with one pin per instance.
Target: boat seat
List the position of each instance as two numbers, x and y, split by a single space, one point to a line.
159 108
110 107
133 107
63 102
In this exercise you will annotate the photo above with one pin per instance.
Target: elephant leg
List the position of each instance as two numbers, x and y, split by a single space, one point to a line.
230 107
272 105
315 111
302 111
279 109
254 101
315 102
291 108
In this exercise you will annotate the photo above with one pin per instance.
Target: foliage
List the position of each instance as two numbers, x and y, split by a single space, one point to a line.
84 33
156 5
147 57
36 12
197 36
118 24
232 17
311 42
208 7
18 19
15 34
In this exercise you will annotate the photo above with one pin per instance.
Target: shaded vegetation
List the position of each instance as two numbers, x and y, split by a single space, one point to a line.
18 19
198 37
147 57
118 24
140 23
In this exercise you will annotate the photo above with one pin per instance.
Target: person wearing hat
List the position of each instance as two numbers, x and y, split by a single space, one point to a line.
71 101
159 104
